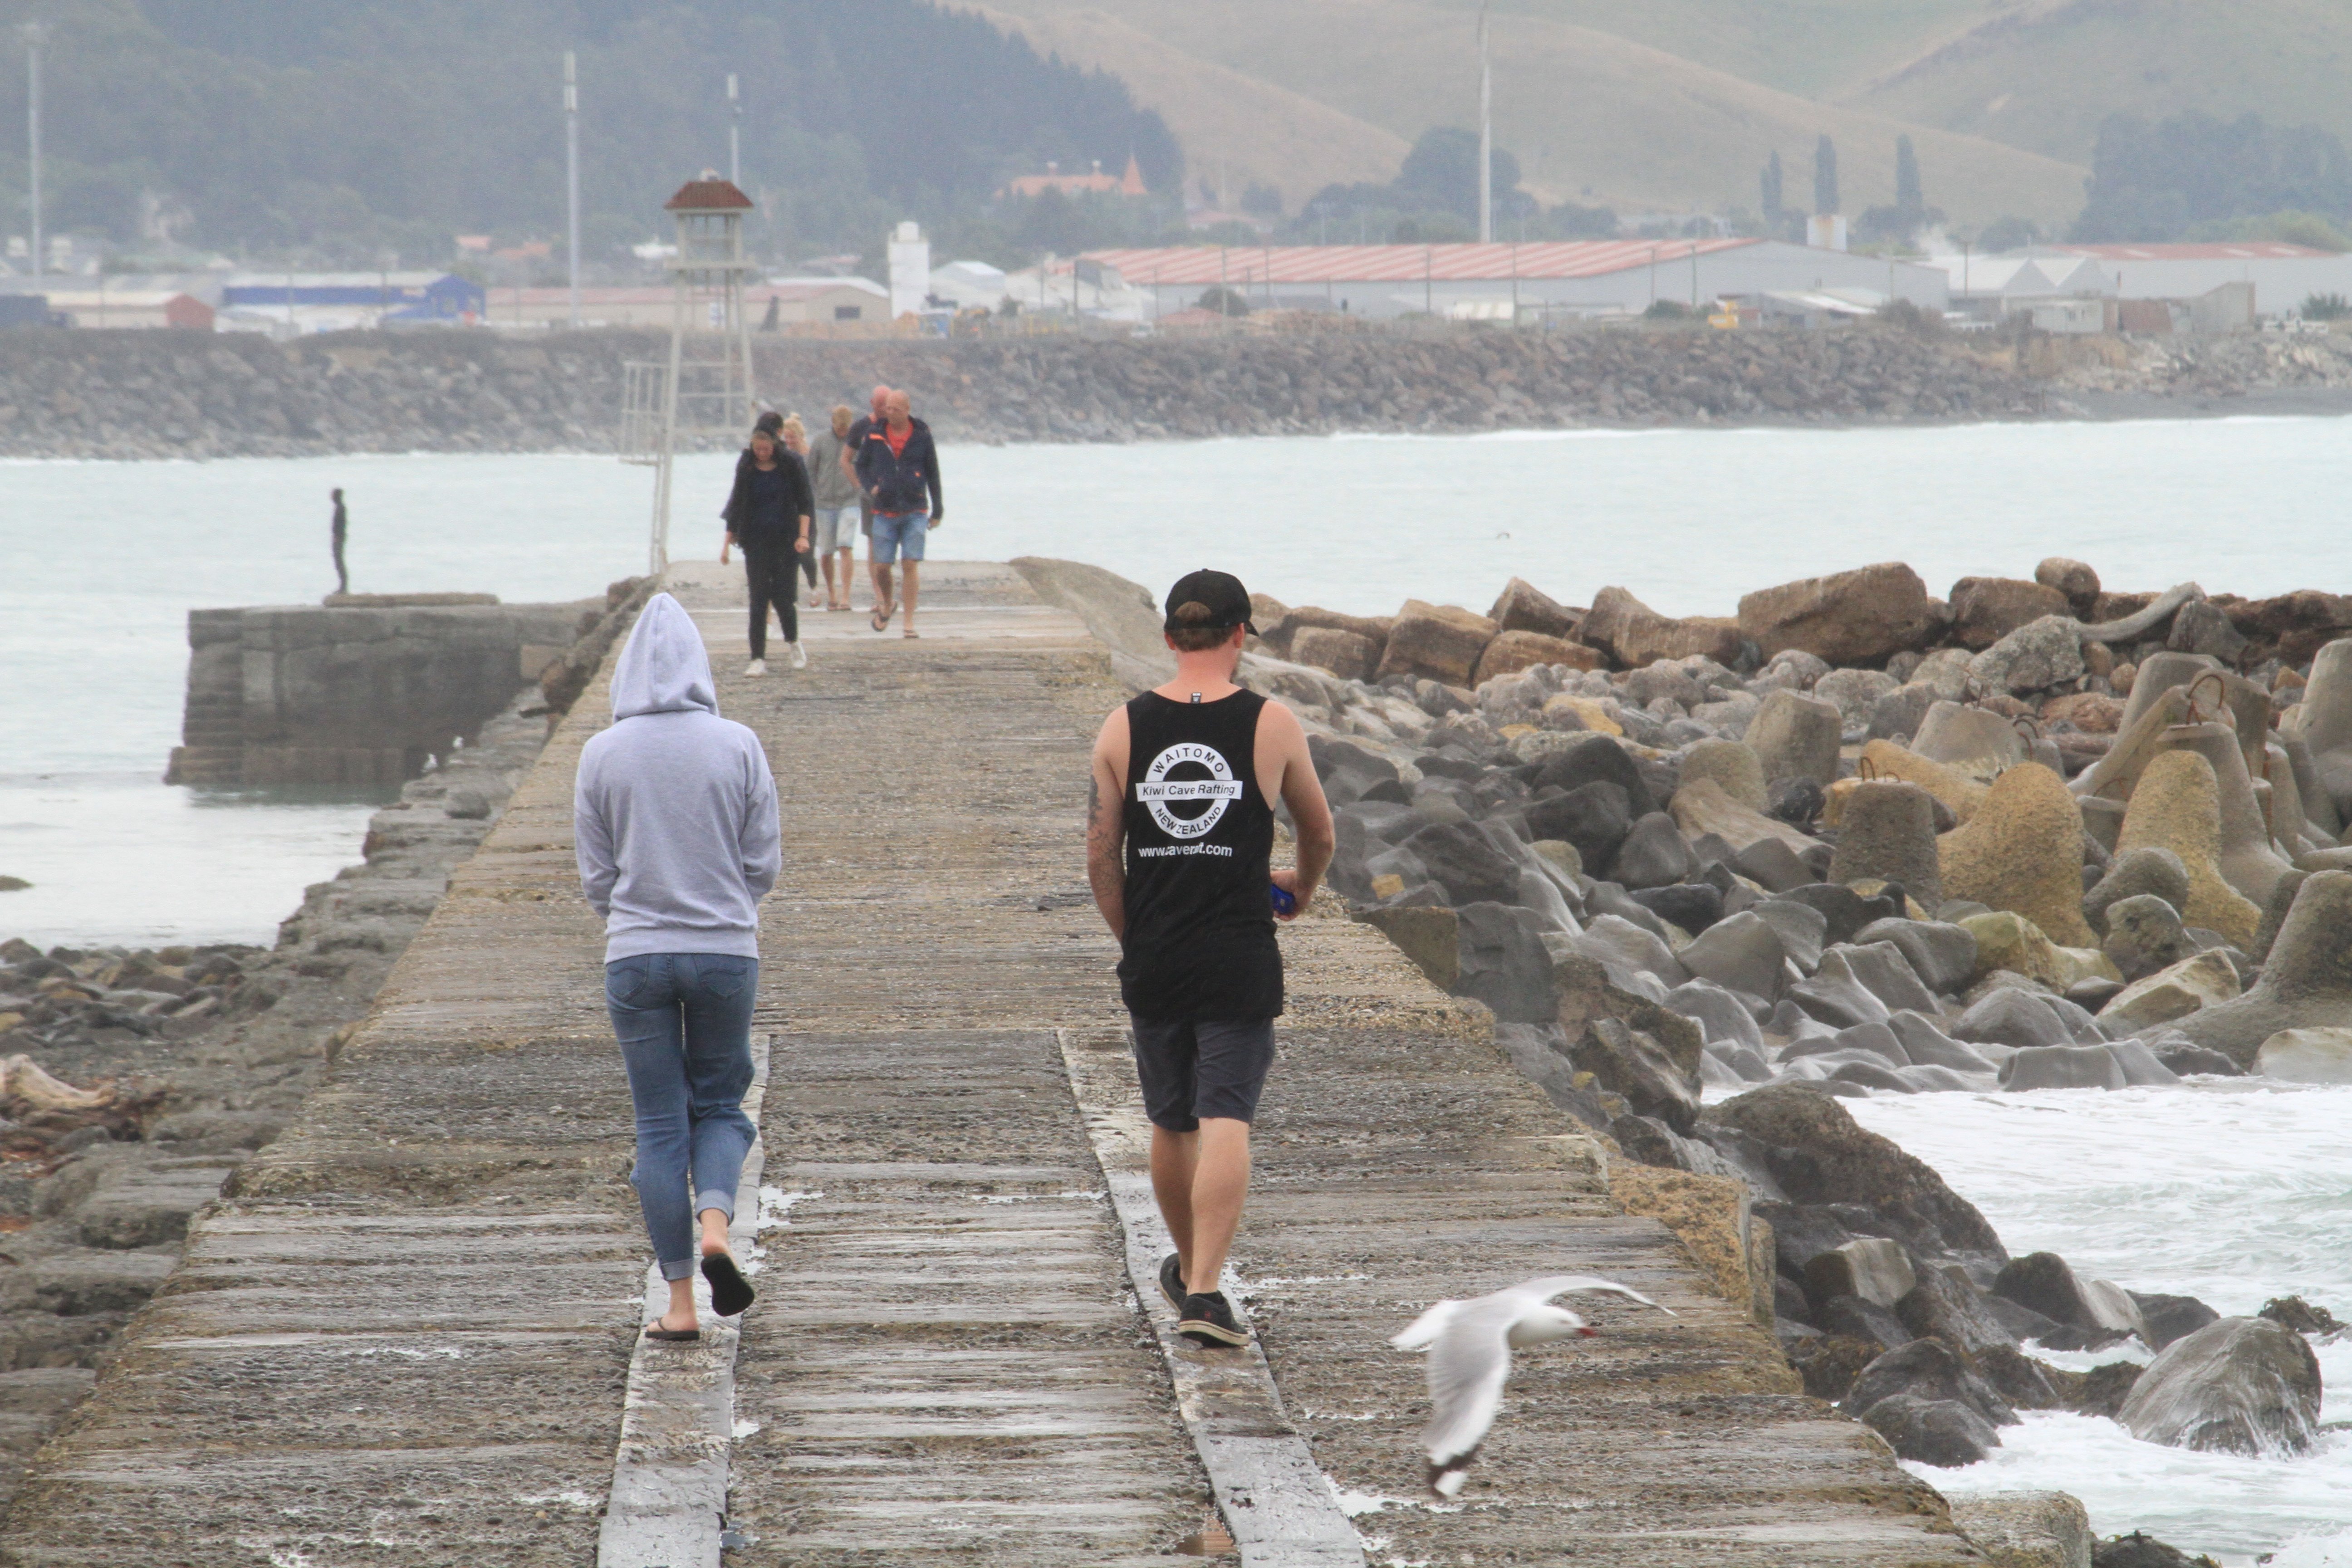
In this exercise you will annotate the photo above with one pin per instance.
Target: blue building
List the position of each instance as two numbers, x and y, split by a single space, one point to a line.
392 298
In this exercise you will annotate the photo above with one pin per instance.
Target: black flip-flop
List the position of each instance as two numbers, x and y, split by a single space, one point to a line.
730 1293
674 1336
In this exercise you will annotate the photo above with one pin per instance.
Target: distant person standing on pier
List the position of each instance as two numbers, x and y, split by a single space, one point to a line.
769 515
1180 834
898 467
339 531
837 506
674 824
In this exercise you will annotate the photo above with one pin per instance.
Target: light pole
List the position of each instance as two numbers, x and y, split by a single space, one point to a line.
734 134
572 172
34 35
1485 135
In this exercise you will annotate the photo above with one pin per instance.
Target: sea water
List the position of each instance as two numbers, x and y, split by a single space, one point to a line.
99 564
2231 1190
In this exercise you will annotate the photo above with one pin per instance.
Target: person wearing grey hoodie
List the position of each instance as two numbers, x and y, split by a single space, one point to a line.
674 826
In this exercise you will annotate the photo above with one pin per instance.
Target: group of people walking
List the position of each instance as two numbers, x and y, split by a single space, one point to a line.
795 501
676 821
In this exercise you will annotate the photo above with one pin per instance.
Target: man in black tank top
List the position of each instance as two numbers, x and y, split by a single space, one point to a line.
1180 834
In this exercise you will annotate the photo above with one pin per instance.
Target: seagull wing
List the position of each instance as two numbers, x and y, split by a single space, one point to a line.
1551 1285
1426 1328
1467 1368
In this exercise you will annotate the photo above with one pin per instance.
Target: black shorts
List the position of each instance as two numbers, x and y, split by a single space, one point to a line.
1190 1070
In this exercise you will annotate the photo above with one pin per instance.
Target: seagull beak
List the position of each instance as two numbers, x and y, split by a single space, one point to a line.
1588 1333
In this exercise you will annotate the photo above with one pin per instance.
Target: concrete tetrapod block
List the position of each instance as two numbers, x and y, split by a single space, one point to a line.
2322 722
1960 793
2177 807
2307 1055
2022 851
1732 764
1977 739
2136 742
2318 805
2248 703
1888 831
2247 861
2307 983
1796 736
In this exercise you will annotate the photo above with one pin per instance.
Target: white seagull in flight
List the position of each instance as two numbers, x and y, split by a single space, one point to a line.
1470 1344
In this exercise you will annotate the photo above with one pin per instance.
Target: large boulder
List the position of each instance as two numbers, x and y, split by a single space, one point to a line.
1940 1432
2076 580
1593 818
1524 607
1512 652
2022 851
1943 956
1927 1369
2307 1055
1436 642
1819 1154
2026 1530
2203 980
1742 952
2145 934
1467 863
1987 609
2151 871
2037 655
2011 943
2306 981
2041 1282
1345 654
2238 1385
1796 736
1855 692
1864 617
1582 759
1634 634
1431 935
1974 740
1650 1074
1701 807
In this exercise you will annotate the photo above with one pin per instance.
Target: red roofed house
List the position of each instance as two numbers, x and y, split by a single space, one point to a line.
1096 184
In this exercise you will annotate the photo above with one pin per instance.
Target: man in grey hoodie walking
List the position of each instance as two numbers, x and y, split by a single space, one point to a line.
674 820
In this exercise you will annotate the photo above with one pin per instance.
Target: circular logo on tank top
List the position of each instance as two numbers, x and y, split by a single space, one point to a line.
1187 789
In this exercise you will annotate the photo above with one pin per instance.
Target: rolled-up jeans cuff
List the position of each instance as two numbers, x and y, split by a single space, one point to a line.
681 1269
723 1201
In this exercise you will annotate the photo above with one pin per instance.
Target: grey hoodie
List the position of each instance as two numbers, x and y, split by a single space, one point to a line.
674 817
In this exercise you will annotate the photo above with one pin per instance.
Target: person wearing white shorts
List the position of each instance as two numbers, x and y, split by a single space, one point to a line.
839 506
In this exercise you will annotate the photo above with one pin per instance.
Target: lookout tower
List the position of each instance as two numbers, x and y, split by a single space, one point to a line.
704 391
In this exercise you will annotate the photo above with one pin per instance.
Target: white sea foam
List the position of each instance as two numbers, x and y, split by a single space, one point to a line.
2231 1190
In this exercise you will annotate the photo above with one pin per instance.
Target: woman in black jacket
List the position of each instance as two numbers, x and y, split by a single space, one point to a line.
768 514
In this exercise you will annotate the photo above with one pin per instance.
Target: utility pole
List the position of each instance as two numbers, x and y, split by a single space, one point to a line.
734 133
34 33
571 171
1485 135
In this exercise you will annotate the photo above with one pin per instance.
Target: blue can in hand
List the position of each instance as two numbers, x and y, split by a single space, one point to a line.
1285 903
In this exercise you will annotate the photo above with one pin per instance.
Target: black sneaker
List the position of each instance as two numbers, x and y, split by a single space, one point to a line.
1208 1322
1171 1281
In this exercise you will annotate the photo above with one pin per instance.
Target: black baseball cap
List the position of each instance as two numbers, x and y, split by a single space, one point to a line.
1228 601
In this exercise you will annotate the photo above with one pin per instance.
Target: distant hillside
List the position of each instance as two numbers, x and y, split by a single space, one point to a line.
2044 76
351 128
1592 116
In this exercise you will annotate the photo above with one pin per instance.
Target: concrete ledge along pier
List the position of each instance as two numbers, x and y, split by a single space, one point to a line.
408 1332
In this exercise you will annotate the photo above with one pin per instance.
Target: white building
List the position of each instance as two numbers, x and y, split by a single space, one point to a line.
2004 284
910 271
1605 277
969 285
2283 275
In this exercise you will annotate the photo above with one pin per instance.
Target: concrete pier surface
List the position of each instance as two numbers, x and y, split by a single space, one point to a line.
406 1335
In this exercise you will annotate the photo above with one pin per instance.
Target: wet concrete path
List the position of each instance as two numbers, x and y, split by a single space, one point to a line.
405 1339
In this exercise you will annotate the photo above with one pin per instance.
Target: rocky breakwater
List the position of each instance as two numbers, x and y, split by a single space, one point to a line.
134 1082
1713 874
169 393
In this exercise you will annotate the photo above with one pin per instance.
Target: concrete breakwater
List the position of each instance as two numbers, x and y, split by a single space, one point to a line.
1713 875
137 1081
164 394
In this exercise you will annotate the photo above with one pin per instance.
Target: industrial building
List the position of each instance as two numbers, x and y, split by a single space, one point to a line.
303 302
783 304
1608 276
2283 275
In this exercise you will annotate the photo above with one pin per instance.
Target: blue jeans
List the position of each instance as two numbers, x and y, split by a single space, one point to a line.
897 532
684 1021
